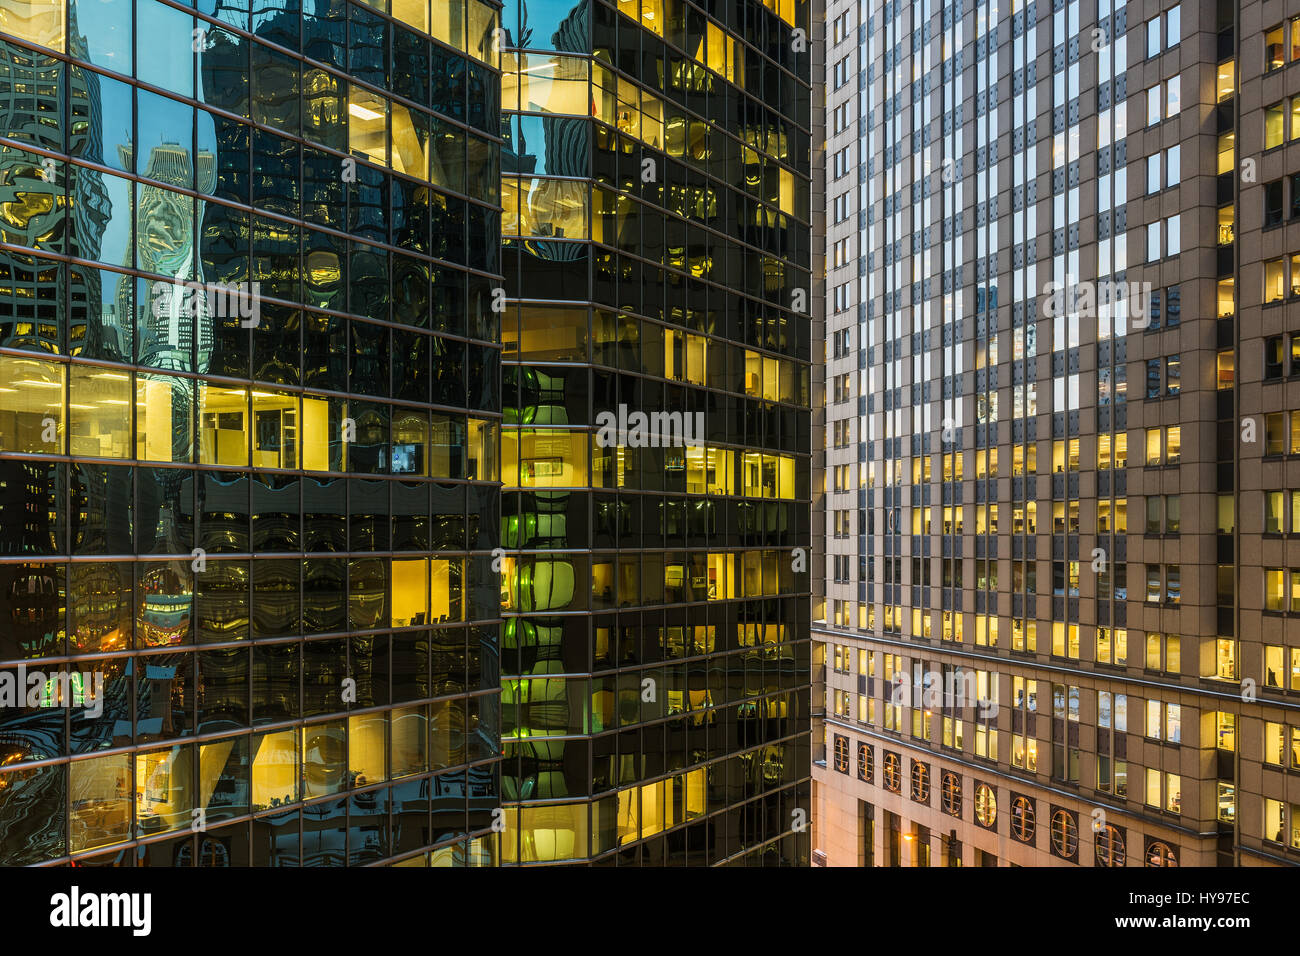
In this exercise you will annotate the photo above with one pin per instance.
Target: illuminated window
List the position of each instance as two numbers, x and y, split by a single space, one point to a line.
1274 127
920 782
31 406
841 754
1110 846
1274 593
1274 743
892 772
1274 48
99 794
223 425
275 770
37 21
951 793
866 763
1065 834
1022 819
1274 280
986 806
1161 854
163 408
1153 446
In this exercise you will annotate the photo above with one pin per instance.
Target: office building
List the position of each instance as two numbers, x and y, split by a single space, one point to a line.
249 427
656 444
1058 620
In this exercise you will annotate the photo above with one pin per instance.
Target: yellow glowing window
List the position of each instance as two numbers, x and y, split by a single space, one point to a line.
652 16
483 35
721 576
719 471
545 833
1227 152
31 405
223 425
162 415
99 790
752 472
448 24
410 593
275 429
162 789
368 125
1274 595
99 407
1226 80
275 769
37 21
368 749
415 13
1153 446
547 334
411 148
1274 131
555 84
551 208
544 458
484 457
321 433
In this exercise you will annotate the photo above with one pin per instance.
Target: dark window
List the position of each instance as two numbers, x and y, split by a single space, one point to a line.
1272 203
1273 357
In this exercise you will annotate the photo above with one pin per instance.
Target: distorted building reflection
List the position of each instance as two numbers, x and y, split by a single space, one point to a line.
271 538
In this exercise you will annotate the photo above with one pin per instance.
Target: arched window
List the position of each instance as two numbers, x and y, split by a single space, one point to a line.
893 773
986 806
1065 834
920 782
1110 846
951 793
1161 854
1022 819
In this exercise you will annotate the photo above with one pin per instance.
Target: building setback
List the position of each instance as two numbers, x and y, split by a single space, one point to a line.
1060 436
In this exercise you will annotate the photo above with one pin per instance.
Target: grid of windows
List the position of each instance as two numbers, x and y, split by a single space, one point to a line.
656 449
249 431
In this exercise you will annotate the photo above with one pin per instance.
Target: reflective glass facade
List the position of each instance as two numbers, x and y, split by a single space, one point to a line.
657 263
249 432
